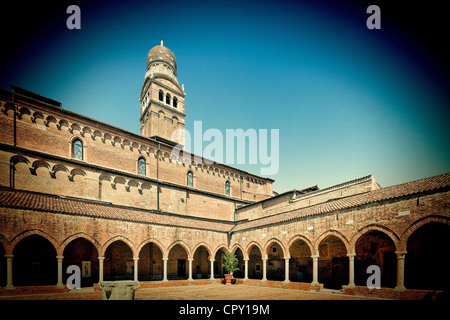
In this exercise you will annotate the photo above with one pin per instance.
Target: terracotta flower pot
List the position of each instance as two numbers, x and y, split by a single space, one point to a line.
228 279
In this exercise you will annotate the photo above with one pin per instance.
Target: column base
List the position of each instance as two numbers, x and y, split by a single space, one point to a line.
400 288
10 287
351 285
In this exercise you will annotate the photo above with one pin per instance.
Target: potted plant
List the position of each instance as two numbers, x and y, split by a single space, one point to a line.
230 263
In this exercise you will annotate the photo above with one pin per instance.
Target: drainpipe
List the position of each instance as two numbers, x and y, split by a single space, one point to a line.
15 120
242 178
157 176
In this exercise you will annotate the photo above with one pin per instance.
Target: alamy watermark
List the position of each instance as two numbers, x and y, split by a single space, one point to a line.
74 20
374 280
212 146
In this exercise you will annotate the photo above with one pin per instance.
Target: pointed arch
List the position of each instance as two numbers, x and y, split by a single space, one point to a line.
416 225
270 242
304 239
114 239
182 244
373 227
83 235
331 232
249 248
202 244
155 242
237 246
38 232
219 247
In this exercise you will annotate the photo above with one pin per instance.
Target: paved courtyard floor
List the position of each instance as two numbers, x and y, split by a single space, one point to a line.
203 292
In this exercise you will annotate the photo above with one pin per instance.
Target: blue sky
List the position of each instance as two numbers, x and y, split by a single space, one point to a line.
348 101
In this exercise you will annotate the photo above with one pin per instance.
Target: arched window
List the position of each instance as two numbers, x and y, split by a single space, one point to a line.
175 102
227 188
168 99
161 95
142 166
77 149
190 179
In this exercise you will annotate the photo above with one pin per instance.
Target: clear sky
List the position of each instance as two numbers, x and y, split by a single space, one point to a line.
348 101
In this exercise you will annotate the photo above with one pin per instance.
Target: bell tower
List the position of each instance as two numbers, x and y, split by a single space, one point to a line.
162 98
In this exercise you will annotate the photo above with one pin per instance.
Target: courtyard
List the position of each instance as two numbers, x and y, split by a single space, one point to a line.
203 292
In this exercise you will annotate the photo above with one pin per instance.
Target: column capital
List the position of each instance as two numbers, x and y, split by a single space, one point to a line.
351 255
211 260
59 257
401 253
165 259
287 258
135 259
315 256
9 256
101 258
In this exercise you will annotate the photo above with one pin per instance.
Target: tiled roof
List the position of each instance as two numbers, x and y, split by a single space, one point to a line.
401 190
52 203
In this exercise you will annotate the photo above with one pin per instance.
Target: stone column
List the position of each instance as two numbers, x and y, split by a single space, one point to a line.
351 273
400 270
9 281
212 269
315 270
264 269
190 269
165 269
100 268
246 269
286 270
136 273
60 272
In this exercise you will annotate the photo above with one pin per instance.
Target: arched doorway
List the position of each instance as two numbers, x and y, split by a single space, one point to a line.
2 266
333 268
241 265
34 262
150 264
427 259
82 253
300 263
219 271
255 263
275 262
201 265
177 266
119 264
376 248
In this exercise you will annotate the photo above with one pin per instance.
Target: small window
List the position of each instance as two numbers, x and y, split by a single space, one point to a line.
190 179
168 99
77 149
175 102
227 188
161 95
141 166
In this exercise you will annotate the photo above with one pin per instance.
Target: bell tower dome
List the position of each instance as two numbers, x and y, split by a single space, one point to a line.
162 98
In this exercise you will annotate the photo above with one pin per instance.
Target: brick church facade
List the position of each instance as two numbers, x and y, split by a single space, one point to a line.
77 191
